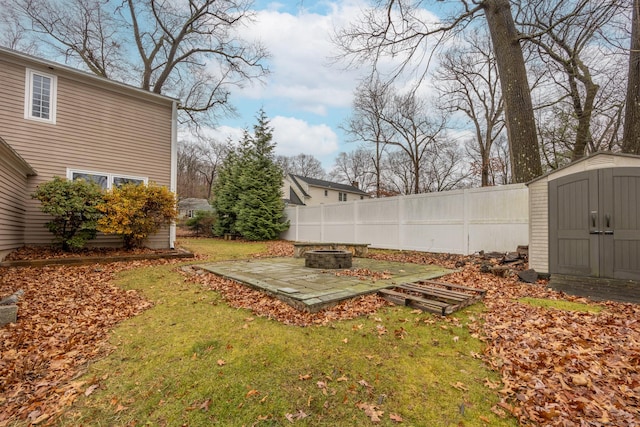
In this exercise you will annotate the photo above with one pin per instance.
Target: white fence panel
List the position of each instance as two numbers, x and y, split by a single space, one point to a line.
460 221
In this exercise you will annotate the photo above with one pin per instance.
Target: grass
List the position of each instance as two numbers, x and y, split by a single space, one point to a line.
193 360
562 305
217 249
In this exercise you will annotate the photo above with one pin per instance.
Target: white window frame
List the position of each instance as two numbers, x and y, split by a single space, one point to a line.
28 97
110 176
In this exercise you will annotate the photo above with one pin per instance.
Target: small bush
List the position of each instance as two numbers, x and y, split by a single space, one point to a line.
202 223
73 205
135 211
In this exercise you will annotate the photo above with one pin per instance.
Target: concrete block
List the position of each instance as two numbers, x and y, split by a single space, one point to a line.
8 314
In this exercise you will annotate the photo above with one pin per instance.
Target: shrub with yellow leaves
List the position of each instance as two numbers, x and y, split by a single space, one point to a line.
135 211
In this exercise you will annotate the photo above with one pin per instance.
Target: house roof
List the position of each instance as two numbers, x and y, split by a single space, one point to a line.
14 159
86 77
313 182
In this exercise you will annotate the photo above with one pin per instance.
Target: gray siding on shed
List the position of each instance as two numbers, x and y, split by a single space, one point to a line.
100 126
539 202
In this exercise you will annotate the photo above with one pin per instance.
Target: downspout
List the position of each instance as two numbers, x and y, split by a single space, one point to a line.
174 166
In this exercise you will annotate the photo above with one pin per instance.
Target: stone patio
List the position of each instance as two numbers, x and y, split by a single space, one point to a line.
313 289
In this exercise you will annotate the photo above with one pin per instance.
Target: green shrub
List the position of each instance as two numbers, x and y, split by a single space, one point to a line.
73 205
135 211
202 223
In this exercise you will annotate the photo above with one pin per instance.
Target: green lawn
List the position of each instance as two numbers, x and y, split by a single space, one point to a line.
193 360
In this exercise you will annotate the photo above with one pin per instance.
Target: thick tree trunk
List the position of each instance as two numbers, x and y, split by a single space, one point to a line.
521 129
631 136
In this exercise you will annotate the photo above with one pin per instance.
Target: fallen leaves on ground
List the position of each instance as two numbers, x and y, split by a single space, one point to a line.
279 248
559 367
64 319
264 305
46 252
363 274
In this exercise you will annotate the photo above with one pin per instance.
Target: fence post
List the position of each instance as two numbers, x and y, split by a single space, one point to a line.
401 222
322 223
355 222
297 223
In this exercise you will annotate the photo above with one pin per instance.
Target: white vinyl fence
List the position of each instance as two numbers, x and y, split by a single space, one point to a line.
459 221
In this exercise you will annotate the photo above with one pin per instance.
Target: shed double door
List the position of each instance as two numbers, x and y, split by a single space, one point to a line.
594 224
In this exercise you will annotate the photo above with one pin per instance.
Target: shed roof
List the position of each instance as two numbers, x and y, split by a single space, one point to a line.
597 160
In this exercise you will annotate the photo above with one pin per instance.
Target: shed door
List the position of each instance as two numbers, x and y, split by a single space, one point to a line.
594 224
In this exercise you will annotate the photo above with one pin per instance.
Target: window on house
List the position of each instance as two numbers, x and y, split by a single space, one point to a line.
40 96
342 197
326 193
121 180
361 197
190 213
105 180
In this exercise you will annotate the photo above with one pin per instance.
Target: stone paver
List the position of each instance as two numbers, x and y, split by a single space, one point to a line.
313 289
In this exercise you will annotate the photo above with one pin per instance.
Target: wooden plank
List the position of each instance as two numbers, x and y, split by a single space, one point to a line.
452 286
416 302
441 294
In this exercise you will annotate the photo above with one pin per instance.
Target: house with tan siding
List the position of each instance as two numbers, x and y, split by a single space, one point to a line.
59 121
301 190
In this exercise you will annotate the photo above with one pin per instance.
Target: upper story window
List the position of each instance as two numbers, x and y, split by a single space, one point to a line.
40 96
326 193
342 197
105 180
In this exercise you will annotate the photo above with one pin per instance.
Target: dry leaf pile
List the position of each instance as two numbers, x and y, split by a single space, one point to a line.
64 318
279 248
559 367
562 367
45 252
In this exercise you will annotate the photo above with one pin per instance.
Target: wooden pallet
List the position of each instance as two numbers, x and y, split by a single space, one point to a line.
436 297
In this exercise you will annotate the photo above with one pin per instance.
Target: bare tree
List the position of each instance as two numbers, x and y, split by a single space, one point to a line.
302 165
357 166
13 33
367 124
568 39
398 28
398 174
469 83
191 50
444 168
190 182
211 155
415 131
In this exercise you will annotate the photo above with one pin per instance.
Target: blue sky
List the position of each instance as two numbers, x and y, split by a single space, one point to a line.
305 96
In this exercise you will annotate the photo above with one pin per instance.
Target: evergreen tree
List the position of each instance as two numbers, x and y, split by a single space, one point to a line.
248 198
226 192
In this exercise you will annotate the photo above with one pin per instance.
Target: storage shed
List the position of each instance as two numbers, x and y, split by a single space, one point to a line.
584 227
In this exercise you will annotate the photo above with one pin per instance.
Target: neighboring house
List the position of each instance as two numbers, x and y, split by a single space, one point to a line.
58 121
300 190
189 206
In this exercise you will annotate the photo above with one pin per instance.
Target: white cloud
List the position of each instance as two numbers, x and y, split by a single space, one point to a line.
294 136
300 46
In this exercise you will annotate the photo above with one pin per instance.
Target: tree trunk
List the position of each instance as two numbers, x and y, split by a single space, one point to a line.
520 123
631 135
583 134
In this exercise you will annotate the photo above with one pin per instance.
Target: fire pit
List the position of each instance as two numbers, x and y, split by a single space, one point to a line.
328 259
